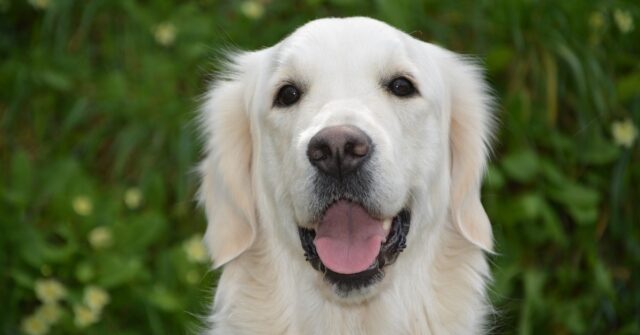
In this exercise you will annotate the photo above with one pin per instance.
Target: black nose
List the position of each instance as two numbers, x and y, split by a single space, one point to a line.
339 150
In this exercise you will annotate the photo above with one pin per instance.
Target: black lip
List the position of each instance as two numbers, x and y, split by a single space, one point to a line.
396 242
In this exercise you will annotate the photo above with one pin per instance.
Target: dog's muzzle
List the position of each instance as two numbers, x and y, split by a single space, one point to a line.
349 243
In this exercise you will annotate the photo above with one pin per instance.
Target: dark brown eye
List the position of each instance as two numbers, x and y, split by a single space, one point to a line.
401 87
287 96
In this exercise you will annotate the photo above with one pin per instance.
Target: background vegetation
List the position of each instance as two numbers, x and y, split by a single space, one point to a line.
99 233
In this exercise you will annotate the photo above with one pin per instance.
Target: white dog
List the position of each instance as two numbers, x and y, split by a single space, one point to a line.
342 186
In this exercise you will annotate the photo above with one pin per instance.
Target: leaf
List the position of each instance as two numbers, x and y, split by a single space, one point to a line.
584 215
84 272
76 114
580 200
33 253
521 166
164 299
56 80
533 284
137 233
628 86
498 58
602 277
574 194
598 151
22 278
552 227
494 178
531 205
22 177
574 320
551 87
552 173
115 271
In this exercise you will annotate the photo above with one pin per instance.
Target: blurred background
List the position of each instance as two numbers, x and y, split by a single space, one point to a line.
99 232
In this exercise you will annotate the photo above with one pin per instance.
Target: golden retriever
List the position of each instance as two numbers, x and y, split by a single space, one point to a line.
341 185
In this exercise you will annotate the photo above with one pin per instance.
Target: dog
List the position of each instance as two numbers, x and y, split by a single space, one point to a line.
341 184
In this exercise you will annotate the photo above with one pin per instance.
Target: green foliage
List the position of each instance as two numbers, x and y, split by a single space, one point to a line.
97 147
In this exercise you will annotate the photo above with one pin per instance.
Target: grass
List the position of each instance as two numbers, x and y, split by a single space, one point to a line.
97 146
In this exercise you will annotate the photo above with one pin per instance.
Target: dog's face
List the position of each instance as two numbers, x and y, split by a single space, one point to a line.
356 135
329 138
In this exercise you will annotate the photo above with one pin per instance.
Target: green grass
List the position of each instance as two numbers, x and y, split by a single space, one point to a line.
97 103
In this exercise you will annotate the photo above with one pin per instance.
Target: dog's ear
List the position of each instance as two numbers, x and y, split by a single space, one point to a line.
470 131
226 189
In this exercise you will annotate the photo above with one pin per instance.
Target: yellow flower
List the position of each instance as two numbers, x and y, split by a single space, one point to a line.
39 4
84 316
34 325
100 237
50 290
133 198
165 34
49 313
82 205
624 132
96 298
252 9
195 250
624 20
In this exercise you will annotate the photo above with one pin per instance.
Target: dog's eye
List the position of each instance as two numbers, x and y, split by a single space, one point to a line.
287 96
401 87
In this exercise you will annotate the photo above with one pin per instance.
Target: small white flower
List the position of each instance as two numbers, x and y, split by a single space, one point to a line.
34 325
100 237
50 313
84 316
96 298
624 20
195 250
624 132
133 198
252 9
165 34
50 290
82 205
39 4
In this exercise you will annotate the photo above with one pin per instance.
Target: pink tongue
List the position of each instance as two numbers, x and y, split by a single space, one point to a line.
348 239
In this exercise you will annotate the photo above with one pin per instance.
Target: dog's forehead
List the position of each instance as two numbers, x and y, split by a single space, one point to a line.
340 41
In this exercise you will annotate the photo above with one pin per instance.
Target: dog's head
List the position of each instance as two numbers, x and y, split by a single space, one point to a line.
349 139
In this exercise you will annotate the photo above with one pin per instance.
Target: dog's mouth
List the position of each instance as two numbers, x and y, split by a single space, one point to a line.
351 247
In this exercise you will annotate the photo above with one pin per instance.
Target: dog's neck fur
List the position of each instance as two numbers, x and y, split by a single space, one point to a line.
415 299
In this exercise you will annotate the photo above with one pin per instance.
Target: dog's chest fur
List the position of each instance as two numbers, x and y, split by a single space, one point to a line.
445 296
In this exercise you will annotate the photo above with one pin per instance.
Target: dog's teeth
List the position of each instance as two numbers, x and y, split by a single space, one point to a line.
386 224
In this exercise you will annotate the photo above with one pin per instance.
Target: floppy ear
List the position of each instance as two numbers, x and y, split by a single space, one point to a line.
226 188
469 134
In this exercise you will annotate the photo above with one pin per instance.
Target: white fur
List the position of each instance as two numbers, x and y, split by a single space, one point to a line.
430 155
